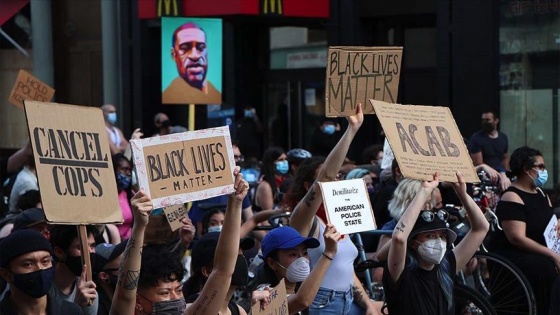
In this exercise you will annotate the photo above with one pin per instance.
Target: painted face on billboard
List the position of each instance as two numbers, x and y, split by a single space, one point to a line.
191 56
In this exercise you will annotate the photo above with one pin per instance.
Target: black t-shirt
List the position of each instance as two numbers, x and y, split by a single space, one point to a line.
418 291
493 150
54 307
104 301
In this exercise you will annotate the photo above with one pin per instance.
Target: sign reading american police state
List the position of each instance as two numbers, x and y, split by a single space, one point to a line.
183 167
357 74
73 163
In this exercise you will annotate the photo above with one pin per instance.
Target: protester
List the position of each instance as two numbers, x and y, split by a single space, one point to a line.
249 133
70 274
524 211
165 292
384 193
295 157
325 136
30 199
26 180
26 264
163 125
373 155
286 257
418 275
33 219
274 170
105 267
341 291
117 140
123 174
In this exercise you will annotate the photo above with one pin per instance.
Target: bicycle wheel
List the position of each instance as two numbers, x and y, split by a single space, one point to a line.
503 284
468 301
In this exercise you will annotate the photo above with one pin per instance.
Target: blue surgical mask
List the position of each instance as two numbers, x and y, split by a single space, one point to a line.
215 228
329 129
282 167
248 113
123 181
112 118
542 177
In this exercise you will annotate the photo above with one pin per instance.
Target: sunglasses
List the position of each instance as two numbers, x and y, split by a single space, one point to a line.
429 215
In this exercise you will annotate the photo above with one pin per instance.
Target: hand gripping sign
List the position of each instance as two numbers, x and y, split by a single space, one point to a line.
183 167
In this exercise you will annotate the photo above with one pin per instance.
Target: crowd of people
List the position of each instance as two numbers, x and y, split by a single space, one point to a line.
219 251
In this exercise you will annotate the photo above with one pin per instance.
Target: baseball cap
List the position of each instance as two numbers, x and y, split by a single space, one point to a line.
433 220
203 251
22 242
105 253
285 237
28 218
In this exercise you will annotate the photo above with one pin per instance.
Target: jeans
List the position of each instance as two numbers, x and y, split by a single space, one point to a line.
334 302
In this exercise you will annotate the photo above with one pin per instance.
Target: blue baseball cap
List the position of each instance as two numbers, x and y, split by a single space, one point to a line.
285 237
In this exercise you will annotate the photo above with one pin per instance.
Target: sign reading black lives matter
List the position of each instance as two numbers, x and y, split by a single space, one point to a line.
357 74
348 206
425 140
73 163
183 167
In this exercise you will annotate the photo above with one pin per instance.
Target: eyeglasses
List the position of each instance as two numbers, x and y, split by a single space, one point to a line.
540 166
429 215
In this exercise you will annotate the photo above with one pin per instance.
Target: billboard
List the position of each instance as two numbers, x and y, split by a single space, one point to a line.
191 60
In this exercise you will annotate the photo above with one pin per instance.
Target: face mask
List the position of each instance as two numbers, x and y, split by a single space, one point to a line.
432 251
298 270
123 181
248 113
35 284
112 118
216 228
172 307
542 177
241 272
165 124
329 129
487 126
74 263
282 167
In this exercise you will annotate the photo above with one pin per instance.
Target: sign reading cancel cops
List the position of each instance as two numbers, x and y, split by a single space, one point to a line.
347 205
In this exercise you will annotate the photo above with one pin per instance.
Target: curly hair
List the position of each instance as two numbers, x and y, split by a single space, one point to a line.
159 265
521 159
306 173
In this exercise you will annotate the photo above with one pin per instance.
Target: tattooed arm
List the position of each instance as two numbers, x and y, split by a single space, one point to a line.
302 214
362 299
214 292
397 250
124 298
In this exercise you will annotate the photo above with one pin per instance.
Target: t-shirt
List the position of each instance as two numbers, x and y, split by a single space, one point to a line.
493 150
418 291
25 181
126 227
56 294
54 307
104 301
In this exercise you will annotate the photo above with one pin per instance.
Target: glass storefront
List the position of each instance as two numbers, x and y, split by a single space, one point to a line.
529 48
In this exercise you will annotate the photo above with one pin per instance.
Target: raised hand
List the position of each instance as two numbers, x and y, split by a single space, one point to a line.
460 187
240 185
356 120
86 290
331 236
187 231
142 206
136 134
431 185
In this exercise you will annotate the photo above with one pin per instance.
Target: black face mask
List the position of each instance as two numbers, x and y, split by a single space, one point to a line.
74 263
241 272
35 284
165 124
487 126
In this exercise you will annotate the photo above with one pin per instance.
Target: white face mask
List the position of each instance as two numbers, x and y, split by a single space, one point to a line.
432 251
216 228
298 270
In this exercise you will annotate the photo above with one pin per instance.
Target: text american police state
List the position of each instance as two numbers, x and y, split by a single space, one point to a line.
76 157
373 70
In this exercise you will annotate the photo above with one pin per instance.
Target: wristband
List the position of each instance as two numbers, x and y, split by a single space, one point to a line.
328 257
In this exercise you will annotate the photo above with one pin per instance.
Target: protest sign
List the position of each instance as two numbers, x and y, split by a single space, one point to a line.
174 214
551 235
28 87
357 74
425 140
183 167
348 206
277 302
73 163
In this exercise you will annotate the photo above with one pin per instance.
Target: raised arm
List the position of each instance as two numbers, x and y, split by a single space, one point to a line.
397 250
255 219
303 213
124 298
215 290
479 225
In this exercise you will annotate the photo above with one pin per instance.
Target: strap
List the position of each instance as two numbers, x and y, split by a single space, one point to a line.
313 227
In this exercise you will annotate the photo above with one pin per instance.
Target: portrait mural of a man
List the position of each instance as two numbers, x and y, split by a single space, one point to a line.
188 76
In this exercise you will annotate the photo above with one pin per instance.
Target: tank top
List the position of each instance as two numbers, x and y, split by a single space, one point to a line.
114 135
340 274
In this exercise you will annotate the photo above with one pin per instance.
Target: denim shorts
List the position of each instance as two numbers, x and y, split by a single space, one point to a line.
334 302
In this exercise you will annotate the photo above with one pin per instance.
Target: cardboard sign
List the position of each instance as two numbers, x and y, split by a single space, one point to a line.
425 140
278 302
73 162
347 205
357 74
174 214
551 235
28 87
182 167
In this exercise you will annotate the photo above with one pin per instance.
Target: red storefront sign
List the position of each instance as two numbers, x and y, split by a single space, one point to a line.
151 9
